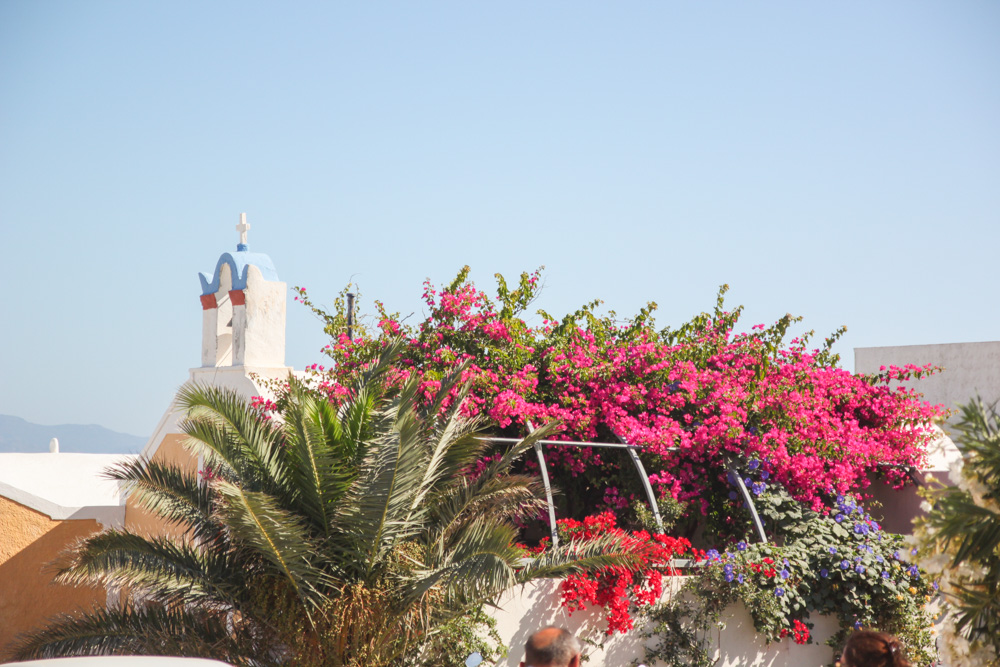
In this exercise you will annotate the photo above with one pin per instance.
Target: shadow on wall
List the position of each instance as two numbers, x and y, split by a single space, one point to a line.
31 542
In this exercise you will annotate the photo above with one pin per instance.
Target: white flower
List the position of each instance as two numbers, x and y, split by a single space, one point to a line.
955 471
936 563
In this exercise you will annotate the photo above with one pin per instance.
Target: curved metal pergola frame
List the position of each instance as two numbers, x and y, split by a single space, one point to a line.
633 454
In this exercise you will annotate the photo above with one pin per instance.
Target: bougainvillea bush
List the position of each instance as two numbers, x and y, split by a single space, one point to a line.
706 403
697 399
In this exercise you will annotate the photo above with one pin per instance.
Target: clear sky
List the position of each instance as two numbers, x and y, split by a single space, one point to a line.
837 160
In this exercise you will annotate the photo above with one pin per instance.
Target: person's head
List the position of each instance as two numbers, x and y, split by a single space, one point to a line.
552 647
867 648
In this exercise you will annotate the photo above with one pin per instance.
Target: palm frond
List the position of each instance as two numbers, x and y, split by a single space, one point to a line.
162 569
582 556
219 419
171 493
135 631
378 510
480 566
502 497
275 534
495 491
317 470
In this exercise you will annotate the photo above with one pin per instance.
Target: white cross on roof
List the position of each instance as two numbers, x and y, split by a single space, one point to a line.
242 229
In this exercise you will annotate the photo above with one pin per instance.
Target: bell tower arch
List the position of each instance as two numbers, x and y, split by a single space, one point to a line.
243 311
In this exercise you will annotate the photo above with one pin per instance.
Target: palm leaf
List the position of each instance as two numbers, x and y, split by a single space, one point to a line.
275 534
165 570
378 512
583 556
220 420
136 631
317 471
171 493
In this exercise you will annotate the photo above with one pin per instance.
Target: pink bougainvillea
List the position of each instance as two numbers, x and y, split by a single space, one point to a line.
696 399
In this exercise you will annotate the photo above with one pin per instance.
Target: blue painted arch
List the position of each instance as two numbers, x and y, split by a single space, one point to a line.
239 265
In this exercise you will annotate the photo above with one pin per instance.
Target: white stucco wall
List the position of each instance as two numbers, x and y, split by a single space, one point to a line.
529 608
260 336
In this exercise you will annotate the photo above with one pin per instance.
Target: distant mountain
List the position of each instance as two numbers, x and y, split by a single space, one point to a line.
18 435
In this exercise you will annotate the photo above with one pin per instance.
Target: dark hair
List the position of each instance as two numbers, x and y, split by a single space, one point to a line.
867 648
551 646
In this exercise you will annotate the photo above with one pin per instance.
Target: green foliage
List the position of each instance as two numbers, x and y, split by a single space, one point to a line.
959 538
671 511
839 563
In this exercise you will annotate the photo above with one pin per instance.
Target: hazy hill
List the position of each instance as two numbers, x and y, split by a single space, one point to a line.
18 435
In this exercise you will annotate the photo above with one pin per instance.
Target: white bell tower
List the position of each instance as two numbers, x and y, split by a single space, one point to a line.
243 313
242 338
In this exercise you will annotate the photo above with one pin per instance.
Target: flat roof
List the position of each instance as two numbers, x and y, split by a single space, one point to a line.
61 484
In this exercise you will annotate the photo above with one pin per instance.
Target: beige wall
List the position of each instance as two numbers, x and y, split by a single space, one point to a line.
29 541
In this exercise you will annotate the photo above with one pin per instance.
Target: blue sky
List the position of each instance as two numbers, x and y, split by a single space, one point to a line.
839 161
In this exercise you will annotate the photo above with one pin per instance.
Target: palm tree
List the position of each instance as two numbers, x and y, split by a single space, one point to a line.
959 538
334 535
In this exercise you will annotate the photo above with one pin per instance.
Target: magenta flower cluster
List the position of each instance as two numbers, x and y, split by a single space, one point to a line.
694 398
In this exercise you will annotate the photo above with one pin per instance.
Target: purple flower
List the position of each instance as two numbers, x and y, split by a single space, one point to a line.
785 574
753 465
742 546
778 592
764 475
838 518
712 555
833 550
860 569
758 488
729 576
885 575
934 584
913 571
879 559
732 495
857 625
844 565
740 578
824 573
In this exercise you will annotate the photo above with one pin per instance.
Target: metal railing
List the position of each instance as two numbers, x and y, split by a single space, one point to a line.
734 478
